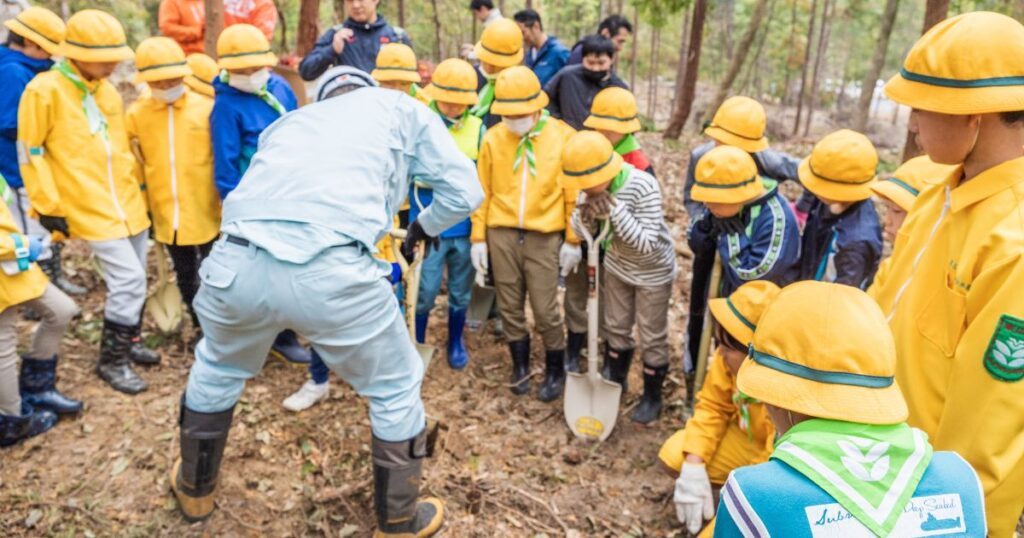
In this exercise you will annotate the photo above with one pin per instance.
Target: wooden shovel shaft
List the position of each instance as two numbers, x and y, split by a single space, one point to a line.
705 335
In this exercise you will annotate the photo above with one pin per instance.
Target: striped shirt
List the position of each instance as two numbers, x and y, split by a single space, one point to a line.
641 252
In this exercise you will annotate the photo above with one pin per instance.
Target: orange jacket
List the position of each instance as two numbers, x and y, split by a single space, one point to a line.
259 13
184 21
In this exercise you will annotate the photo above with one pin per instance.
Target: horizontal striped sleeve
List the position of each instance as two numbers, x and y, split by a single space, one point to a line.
642 252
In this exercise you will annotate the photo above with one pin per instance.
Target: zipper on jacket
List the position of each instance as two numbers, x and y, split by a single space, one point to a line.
174 168
522 193
110 179
917 258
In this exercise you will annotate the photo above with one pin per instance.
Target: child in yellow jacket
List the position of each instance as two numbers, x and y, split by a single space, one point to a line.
727 430
169 131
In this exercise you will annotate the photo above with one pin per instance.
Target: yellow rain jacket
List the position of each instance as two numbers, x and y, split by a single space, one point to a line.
177 178
956 308
26 285
515 198
70 172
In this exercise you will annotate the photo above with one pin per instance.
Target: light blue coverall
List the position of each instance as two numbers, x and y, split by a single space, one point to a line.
320 192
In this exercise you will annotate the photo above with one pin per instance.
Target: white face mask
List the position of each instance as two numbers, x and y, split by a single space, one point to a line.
168 95
520 126
249 83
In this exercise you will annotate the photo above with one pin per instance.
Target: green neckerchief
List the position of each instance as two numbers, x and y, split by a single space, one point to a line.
628 144
93 114
267 97
615 186
448 122
484 100
870 470
742 402
526 142
5 191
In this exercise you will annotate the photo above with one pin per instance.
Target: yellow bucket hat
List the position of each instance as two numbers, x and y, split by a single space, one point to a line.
454 81
95 36
501 44
740 122
588 160
614 109
396 62
40 26
825 350
969 64
204 70
160 58
841 167
740 313
241 46
517 91
726 175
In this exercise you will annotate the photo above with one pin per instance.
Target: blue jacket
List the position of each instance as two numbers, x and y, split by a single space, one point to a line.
773 499
547 60
845 248
360 52
236 122
16 70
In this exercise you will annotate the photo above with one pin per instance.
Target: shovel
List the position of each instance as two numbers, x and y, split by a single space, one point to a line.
411 279
164 304
705 334
591 401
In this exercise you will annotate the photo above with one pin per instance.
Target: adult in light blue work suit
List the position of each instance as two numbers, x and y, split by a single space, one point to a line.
296 252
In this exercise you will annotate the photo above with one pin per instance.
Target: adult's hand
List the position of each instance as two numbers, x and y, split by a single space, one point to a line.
341 38
413 237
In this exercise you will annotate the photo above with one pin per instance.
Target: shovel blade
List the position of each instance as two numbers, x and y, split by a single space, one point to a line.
165 307
591 405
426 354
480 303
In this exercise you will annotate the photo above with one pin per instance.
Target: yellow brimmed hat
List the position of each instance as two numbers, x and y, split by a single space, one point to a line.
726 175
501 44
588 160
95 36
826 351
454 81
969 64
614 109
740 122
241 46
160 58
908 180
740 313
517 91
40 26
396 62
841 167
204 70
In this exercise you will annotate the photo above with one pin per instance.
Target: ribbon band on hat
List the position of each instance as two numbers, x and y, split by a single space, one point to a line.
33 30
517 99
587 172
614 118
904 185
710 125
725 186
161 66
397 68
743 319
499 53
820 376
250 53
833 180
87 46
957 83
453 88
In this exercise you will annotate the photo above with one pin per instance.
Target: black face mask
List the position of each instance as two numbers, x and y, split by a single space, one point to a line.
594 76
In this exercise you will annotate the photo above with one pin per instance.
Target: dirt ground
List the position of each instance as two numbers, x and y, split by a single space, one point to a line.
507 466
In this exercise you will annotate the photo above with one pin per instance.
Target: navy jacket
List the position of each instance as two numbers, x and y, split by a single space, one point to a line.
237 120
547 60
572 94
360 52
845 248
16 70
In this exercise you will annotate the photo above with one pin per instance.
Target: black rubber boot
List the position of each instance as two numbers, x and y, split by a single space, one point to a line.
397 468
520 351
618 365
30 423
194 474
114 365
138 353
554 376
649 408
38 384
53 269
573 348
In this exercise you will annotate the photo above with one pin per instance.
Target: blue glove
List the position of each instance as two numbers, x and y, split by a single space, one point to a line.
35 248
396 273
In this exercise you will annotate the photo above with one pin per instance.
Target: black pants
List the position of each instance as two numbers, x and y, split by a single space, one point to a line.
186 260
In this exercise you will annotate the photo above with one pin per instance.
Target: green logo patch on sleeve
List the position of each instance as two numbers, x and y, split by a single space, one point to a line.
1004 358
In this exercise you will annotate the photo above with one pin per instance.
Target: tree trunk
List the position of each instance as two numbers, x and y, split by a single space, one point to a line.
742 49
339 10
823 38
656 61
309 19
935 11
753 66
681 63
689 88
786 90
632 50
652 70
805 66
214 24
867 87
437 30
65 9
401 13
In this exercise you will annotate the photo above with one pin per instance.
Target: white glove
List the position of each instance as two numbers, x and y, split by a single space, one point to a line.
478 255
693 499
569 257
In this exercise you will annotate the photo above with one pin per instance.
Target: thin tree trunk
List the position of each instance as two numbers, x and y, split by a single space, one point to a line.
65 9
401 13
437 30
633 48
935 11
823 38
752 65
685 102
339 10
742 49
805 66
656 55
214 24
309 18
867 87
786 90
652 68
681 63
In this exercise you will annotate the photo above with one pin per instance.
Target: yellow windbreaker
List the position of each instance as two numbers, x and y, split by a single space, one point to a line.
26 285
957 313
70 172
515 198
178 178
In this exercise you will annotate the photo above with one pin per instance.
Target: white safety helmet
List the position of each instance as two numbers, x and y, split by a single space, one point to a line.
341 76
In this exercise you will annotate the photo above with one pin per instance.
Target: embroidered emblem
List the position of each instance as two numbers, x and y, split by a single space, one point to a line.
1004 358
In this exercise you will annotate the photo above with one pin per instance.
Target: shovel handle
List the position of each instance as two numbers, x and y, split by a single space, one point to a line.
701 368
593 289
410 277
